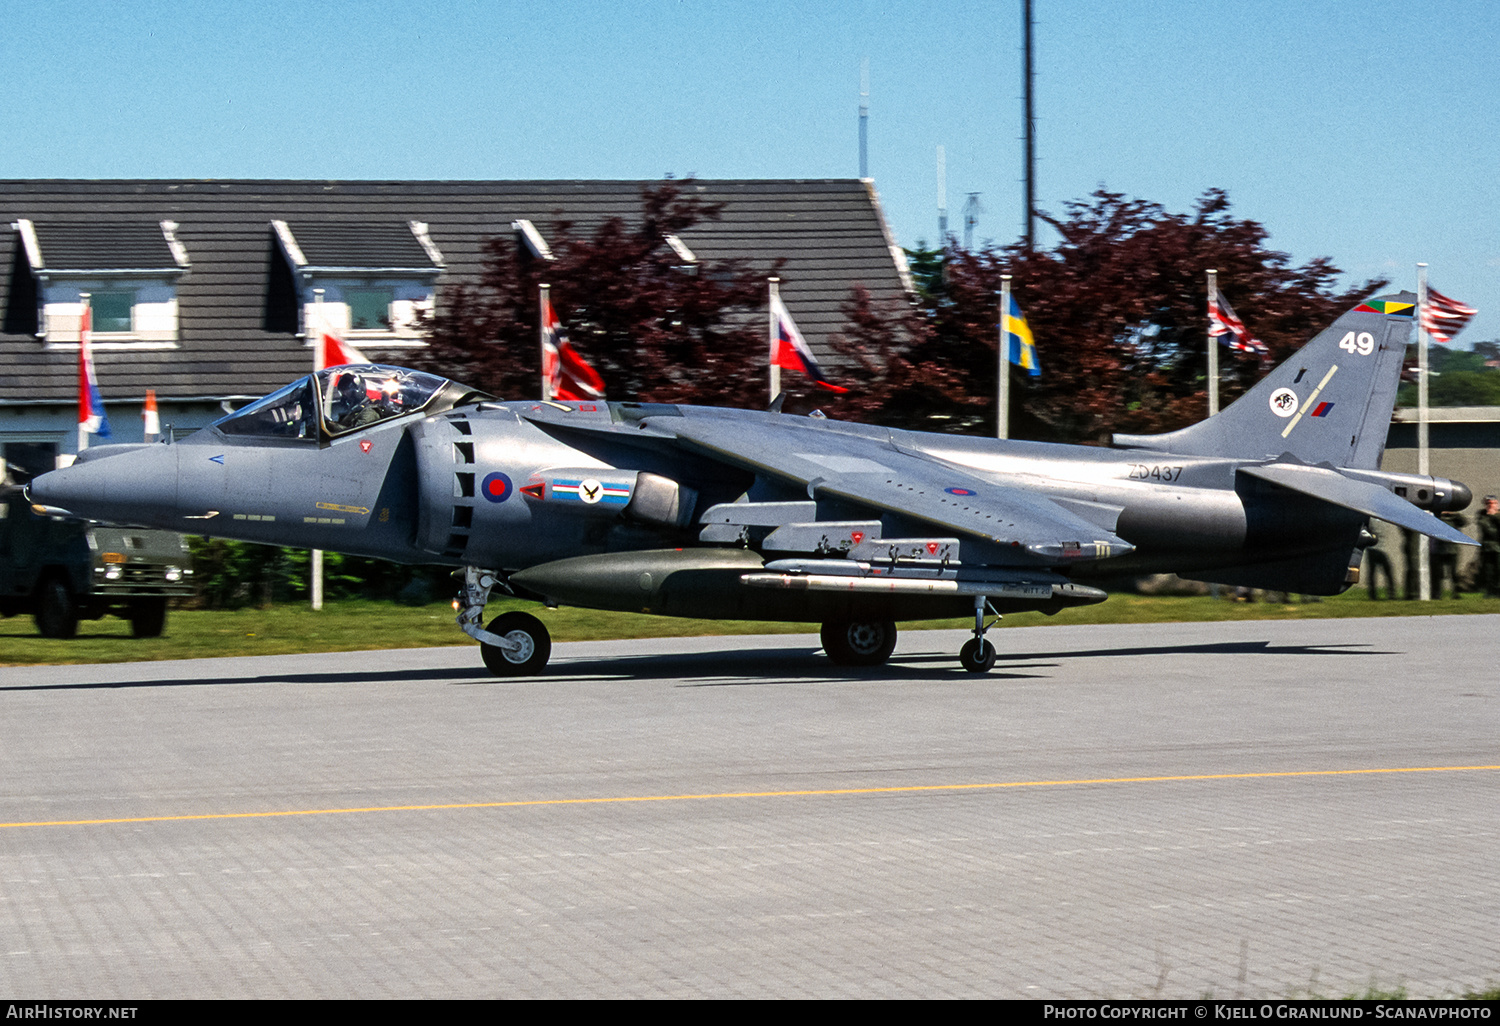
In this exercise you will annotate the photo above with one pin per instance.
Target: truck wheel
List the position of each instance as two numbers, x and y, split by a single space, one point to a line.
56 616
148 616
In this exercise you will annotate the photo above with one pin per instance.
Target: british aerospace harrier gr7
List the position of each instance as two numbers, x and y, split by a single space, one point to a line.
739 514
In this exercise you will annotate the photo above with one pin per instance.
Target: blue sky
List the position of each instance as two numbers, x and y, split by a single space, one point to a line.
1367 132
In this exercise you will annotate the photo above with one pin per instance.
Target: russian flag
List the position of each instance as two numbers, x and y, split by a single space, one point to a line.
91 416
789 349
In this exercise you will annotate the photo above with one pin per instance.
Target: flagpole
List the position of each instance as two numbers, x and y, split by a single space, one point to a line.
1424 565
772 336
1002 400
1213 345
315 568
320 350
1213 369
85 325
544 300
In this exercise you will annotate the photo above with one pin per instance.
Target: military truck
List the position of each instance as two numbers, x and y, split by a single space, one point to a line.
62 571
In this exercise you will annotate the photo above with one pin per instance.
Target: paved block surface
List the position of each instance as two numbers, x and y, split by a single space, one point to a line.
737 817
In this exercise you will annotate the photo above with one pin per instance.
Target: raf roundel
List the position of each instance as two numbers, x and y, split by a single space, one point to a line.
496 487
960 491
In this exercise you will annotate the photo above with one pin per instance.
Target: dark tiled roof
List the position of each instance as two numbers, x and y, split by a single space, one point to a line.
127 245
829 232
335 244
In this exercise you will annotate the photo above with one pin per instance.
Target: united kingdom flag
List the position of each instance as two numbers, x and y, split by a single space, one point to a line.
1443 317
1225 325
568 375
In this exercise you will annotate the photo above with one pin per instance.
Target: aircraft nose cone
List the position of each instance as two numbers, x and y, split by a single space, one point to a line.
1462 496
79 490
131 487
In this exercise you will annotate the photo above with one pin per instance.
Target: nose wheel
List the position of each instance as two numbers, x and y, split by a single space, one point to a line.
978 655
515 644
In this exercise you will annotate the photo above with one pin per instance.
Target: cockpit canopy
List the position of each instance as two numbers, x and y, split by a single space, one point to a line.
338 400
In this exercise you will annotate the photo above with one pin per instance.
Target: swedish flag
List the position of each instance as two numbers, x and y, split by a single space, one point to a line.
1019 342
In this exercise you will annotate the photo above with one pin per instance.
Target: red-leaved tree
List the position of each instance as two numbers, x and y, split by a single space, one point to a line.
1118 311
654 331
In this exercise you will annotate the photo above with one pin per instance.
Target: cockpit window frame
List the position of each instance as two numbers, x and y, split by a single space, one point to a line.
324 390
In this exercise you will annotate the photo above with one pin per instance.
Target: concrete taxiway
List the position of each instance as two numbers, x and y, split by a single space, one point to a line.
1254 809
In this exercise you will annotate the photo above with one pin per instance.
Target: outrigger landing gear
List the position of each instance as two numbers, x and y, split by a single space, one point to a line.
514 644
978 655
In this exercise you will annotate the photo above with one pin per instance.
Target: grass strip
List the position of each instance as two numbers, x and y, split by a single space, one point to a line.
357 625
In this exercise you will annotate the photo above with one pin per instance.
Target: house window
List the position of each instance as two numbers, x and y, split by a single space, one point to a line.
126 273
370 309
111 311
375 281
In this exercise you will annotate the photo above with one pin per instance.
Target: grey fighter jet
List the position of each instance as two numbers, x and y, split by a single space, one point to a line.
739 514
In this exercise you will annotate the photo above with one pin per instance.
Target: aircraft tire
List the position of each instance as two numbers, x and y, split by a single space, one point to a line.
859 642
56 615
526 630
977 656
148 617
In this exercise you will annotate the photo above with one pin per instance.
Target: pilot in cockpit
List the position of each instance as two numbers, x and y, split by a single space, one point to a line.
348 405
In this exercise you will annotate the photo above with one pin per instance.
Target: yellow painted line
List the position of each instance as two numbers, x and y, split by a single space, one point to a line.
1311 399
909 788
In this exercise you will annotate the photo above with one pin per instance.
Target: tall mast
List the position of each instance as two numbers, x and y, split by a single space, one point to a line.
1030 117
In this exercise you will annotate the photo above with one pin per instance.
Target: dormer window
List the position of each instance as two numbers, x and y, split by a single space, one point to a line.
114 311
370 309
370 283
129 272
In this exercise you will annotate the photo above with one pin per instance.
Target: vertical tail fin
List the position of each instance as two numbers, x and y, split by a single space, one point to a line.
1330 403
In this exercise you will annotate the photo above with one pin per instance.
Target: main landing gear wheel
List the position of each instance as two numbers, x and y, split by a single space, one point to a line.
859 642
977 655
528 634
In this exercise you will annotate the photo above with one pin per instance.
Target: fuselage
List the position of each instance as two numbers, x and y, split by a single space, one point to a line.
452 488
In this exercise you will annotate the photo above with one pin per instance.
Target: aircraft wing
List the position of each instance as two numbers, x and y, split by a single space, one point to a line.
1361 496
1022 526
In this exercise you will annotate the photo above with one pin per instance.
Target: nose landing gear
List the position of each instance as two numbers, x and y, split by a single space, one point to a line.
978 655
515 644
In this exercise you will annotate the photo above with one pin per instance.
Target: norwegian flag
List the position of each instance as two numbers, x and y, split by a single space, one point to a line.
568 375
790 349
91 418
1225 325
333 351
1443 317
